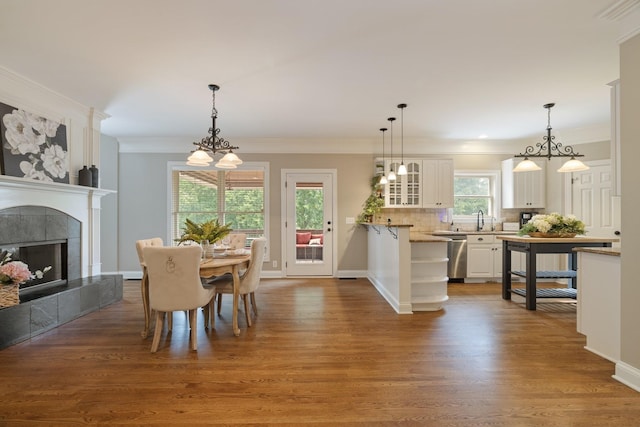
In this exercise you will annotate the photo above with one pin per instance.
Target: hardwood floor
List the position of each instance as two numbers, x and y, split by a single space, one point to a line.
321 352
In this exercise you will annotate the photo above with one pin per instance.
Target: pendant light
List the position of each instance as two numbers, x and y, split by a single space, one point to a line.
392 174
214 144
402 170
383 178
549 148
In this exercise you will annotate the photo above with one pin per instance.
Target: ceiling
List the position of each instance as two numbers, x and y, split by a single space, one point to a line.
303 75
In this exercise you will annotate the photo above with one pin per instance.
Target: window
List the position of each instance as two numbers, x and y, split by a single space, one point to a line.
237 197
475 191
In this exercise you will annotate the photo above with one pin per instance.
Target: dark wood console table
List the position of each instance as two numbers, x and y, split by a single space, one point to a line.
535 245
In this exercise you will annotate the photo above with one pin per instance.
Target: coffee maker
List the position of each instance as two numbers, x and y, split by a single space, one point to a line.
525 217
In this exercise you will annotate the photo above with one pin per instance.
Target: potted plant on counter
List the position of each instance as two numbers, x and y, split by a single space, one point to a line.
370 207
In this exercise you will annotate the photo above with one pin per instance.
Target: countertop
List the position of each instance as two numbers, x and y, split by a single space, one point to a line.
577 239
601 251
467 233
421 237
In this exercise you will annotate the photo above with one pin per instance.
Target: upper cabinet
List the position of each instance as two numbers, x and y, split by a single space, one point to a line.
523 190
428 184
437 183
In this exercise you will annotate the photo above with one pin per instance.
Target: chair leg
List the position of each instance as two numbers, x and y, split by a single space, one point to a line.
253 303
247 315
219 297
206 310
193 324
170 321
158 331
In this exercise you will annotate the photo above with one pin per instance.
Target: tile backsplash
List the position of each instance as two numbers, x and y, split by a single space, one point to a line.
427 220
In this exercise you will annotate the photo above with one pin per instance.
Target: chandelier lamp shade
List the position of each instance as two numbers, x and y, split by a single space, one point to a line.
213 144
392 174
402 169
383 178
549 149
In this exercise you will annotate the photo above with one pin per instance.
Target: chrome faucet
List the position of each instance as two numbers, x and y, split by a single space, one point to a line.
479 225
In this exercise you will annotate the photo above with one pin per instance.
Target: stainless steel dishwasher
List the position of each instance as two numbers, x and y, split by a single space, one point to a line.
457 253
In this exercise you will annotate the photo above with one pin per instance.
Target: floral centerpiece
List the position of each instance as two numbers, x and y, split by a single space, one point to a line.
553 225
12 275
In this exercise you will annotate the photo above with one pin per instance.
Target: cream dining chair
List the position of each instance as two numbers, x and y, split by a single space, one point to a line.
144 288
249 280
174 285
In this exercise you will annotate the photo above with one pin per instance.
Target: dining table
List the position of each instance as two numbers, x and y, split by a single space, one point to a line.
209 267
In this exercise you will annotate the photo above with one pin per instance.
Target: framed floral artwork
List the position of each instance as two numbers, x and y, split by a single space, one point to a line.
33 147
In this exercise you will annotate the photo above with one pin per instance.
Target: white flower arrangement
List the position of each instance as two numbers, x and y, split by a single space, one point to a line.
32 136
553 223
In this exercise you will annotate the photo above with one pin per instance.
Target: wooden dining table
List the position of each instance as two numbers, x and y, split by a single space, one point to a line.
209 267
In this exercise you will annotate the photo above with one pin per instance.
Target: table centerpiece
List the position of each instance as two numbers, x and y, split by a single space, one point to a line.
553 225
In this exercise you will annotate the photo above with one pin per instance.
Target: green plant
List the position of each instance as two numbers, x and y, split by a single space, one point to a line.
209 230
371 206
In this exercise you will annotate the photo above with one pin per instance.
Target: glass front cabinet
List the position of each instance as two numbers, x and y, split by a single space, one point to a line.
427 184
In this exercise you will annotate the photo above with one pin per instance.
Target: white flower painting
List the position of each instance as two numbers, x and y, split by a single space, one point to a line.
33 147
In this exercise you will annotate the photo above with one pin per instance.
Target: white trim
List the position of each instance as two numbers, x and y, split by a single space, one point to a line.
628 375
334 213
497 190
264 166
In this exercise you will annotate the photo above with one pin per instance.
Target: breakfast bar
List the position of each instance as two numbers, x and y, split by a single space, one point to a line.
532 246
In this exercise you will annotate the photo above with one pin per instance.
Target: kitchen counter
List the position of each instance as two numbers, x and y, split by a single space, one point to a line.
533 246
467 233
417 236
600 251
409 269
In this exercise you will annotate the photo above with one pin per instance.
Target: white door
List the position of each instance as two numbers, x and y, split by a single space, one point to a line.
593 203
309 224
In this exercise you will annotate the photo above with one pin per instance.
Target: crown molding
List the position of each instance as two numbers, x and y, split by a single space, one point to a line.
627 13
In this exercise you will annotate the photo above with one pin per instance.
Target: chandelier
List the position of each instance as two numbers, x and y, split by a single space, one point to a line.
549 148
214 144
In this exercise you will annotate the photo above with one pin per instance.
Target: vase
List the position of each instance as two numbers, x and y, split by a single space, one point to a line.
84 177
9 295
94 176
551 235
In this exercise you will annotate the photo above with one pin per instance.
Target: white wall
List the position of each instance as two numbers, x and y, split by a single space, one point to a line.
630 152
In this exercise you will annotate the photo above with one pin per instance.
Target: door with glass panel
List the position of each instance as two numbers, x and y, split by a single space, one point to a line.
308 226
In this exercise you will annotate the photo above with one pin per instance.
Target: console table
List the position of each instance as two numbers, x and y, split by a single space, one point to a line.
532 246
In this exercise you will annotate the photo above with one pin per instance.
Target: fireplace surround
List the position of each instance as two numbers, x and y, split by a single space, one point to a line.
35 213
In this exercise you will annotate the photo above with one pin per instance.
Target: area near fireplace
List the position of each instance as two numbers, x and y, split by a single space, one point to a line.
64 220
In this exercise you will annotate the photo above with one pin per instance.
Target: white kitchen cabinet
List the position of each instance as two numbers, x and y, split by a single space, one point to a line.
523 190
406 190
437 183
484 256
428 184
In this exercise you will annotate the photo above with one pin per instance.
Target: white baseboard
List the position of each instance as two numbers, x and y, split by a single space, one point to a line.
628 375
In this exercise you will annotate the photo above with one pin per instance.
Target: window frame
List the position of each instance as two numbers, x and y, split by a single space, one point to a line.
495 189
181 166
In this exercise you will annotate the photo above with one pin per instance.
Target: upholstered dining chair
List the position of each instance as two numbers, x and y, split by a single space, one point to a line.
140 244
237 240
174 285
249 280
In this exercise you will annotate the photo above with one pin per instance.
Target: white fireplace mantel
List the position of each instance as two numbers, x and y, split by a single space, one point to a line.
82 203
